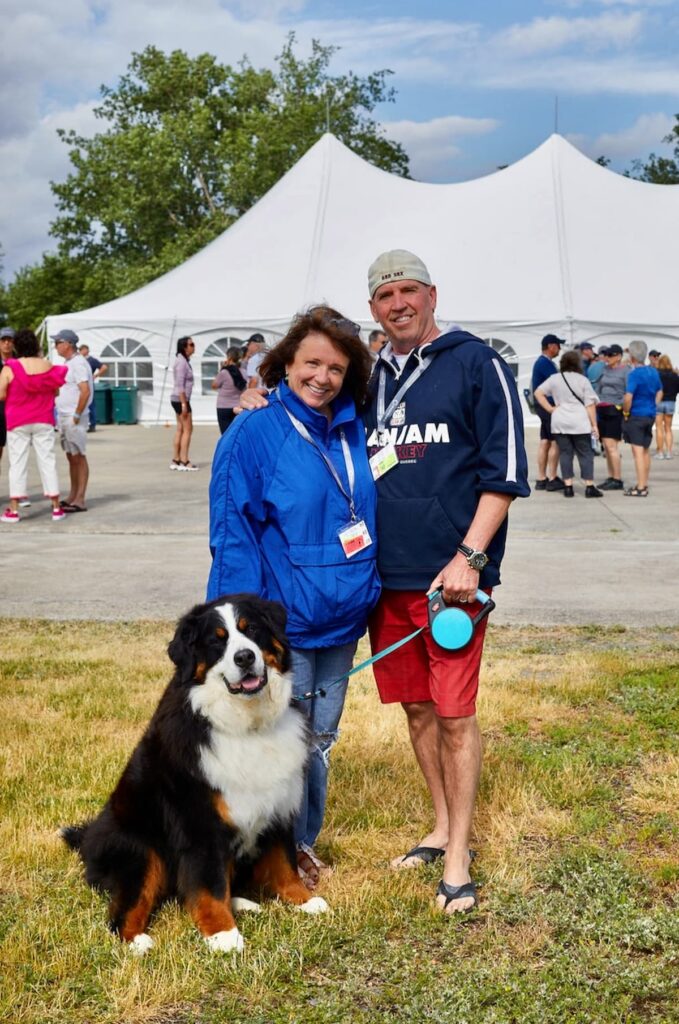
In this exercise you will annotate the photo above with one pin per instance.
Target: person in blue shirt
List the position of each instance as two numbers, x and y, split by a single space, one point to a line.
548 449
644 391
293 519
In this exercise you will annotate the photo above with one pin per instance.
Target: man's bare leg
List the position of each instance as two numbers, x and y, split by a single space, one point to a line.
552 460
79 472
461 755
423 725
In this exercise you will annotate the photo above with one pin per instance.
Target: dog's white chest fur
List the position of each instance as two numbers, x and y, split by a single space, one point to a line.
259 774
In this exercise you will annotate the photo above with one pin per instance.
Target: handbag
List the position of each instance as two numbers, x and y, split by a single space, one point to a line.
529 395
596 443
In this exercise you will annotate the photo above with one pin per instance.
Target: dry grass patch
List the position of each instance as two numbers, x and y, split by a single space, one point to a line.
576 830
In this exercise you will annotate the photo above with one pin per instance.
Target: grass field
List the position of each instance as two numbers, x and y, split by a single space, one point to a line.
577 833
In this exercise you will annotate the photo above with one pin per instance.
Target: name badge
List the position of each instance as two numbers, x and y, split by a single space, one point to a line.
383 460
354 538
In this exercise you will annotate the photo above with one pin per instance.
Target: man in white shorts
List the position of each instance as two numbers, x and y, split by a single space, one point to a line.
72 404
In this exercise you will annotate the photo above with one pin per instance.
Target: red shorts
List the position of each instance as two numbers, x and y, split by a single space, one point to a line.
421 670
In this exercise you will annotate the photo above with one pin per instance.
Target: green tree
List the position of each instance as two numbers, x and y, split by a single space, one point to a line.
660 170
191 144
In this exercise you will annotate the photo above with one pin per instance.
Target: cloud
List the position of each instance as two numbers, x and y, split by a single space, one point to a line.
635 142
545 35
431 145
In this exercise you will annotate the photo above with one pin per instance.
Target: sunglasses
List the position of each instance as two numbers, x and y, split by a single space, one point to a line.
348 326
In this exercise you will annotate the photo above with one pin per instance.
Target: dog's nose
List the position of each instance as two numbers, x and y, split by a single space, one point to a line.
245 658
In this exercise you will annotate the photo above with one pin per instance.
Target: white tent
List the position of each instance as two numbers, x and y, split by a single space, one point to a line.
554 242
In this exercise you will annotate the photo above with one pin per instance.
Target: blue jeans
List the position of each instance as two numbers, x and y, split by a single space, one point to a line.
313 669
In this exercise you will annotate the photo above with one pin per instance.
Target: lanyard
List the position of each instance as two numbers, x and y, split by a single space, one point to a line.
384 415
348 461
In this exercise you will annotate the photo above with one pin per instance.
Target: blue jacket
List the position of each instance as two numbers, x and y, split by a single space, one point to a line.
275 516
459 435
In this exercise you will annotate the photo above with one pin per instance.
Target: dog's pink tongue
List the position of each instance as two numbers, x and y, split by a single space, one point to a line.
251 683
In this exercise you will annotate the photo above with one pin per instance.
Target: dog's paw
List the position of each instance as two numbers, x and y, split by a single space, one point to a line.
141 944
316 905
226 942
240 904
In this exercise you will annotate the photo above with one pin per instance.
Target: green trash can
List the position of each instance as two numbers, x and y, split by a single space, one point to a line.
103 403
124 404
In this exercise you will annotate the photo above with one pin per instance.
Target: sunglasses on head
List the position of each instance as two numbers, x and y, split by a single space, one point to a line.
348 326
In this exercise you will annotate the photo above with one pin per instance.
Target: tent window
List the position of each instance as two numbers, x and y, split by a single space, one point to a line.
213 357
129 364
504 349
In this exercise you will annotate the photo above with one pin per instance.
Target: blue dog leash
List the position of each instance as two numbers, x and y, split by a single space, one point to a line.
451 628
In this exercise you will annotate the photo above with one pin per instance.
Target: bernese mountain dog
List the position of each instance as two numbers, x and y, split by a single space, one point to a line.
203 811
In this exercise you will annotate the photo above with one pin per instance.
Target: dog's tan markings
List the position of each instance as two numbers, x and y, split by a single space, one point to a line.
201 669
275 873
212 915
242 624
220 632
270 659
222 809
277 645
137 917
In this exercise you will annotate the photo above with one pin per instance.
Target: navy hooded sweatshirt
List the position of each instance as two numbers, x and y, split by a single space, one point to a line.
458 433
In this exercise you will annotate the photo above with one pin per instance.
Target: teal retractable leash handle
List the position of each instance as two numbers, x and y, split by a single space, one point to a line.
451 628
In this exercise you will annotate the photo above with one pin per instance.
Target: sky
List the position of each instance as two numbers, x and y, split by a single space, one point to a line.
478 85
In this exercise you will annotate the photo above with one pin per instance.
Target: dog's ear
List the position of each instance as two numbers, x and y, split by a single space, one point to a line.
183 648
275 617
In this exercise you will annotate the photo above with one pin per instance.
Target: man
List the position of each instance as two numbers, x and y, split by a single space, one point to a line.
6 351
252 360
587 355
548 450
642 395
98 370
611 387
653 357
445 436
72 405
376 342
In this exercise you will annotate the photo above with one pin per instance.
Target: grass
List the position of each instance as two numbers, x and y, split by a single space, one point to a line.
577 831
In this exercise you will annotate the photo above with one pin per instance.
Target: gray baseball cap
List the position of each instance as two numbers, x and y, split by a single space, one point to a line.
396 265
7 332
70 336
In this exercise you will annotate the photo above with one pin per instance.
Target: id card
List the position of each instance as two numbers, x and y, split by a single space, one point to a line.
383 460
354 538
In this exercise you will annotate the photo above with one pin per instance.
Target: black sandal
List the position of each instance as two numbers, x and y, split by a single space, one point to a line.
458 892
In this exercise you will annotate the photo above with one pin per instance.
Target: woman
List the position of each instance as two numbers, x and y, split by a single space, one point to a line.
573 420
29 385
181 403
228 384
665 409
292 519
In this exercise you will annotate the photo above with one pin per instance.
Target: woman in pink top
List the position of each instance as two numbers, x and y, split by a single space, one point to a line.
29 385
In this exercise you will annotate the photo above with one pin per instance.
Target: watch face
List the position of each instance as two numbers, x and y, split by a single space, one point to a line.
478 560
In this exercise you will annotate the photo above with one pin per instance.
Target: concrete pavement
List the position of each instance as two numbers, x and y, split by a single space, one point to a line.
141 551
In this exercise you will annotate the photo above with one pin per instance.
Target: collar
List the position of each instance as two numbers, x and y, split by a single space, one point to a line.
342 408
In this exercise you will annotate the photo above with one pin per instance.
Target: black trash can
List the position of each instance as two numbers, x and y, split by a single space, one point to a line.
103 403
124 404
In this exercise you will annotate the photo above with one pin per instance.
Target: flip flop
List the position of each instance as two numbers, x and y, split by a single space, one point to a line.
458 892
429 854
73 508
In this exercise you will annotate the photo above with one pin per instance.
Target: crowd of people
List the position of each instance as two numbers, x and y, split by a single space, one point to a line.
592 402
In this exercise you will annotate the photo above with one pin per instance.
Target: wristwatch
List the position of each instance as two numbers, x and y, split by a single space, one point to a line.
475 559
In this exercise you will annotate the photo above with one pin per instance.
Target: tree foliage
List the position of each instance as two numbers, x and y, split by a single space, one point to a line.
660 170
188 146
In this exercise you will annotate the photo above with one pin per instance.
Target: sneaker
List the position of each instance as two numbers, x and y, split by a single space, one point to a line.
592 492
556 484
175 464
24 503
568 491
668 455
612 485
57 515
659 455
9 516
189 467
540 485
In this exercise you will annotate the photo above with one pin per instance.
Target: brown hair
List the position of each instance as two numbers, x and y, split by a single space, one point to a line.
571 361
664 363
344 335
